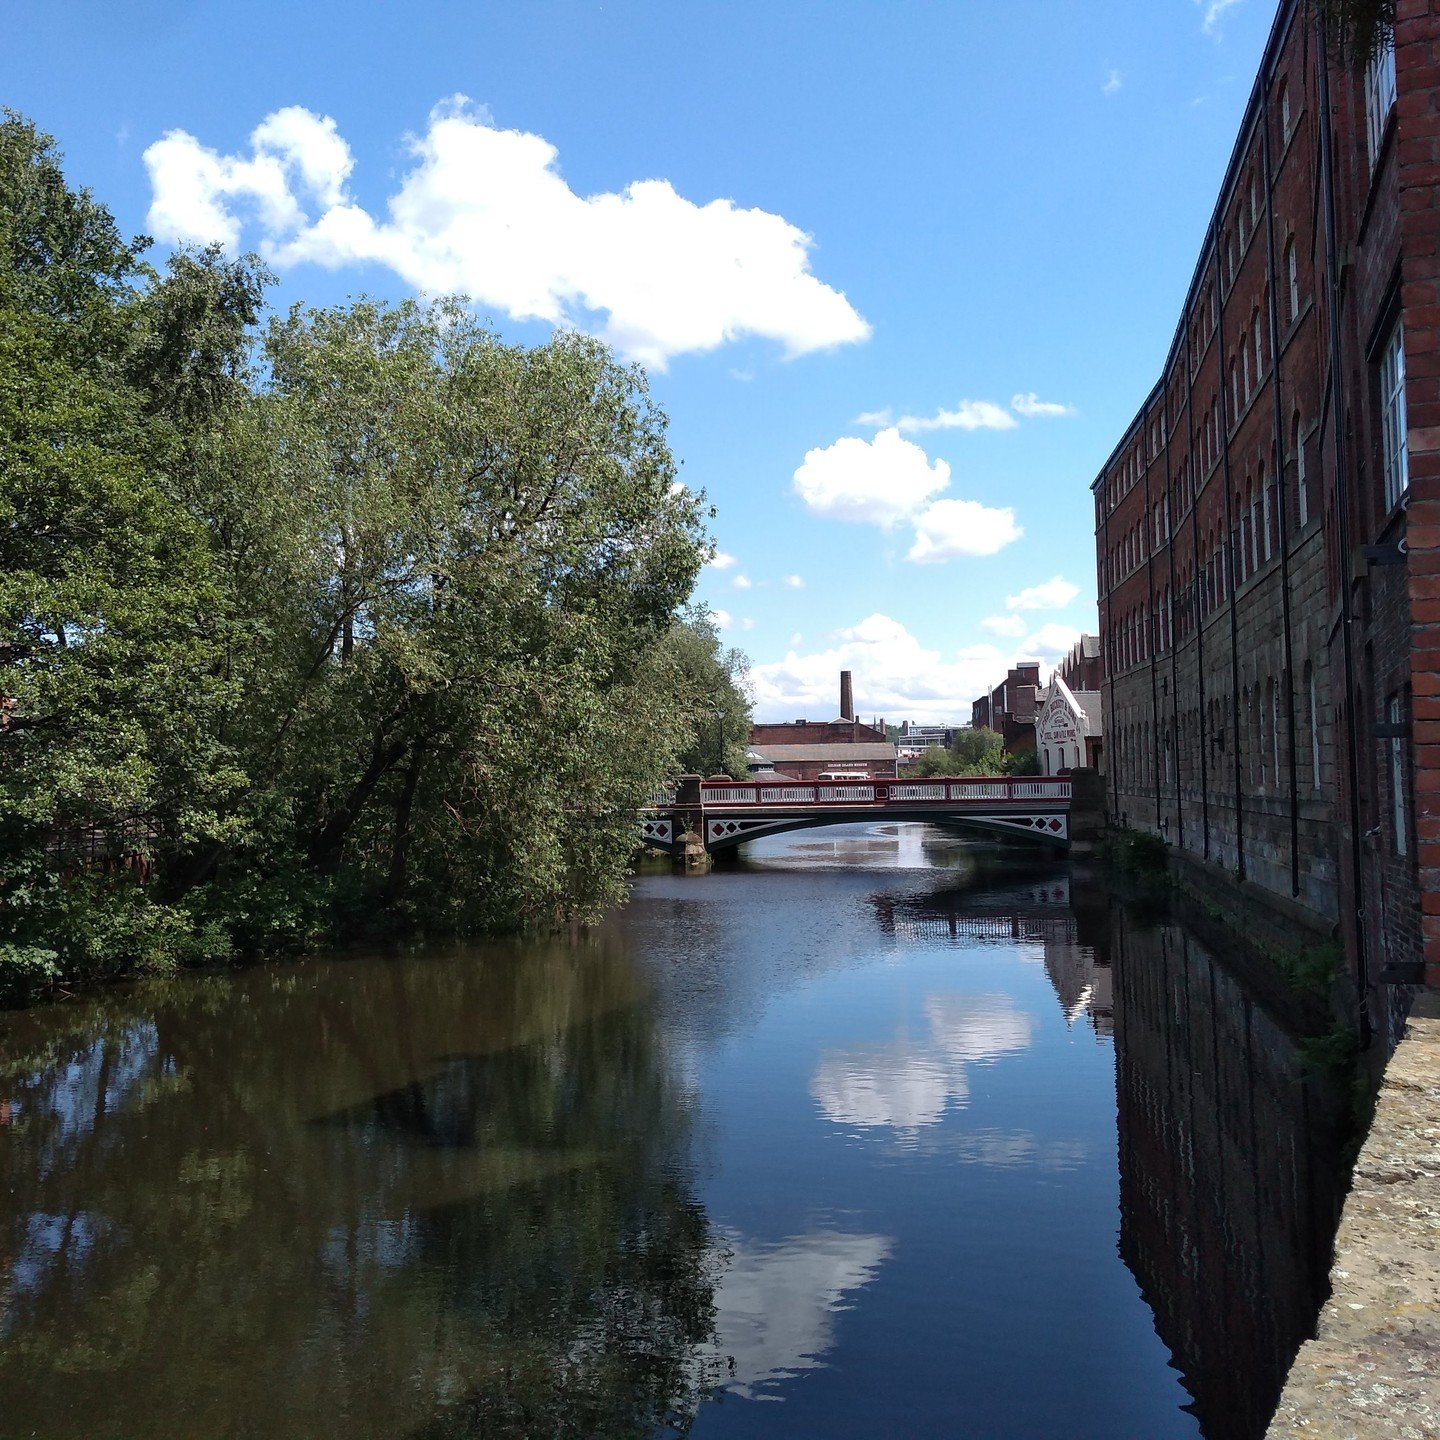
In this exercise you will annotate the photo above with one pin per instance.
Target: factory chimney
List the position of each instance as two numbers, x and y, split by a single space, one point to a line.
847 697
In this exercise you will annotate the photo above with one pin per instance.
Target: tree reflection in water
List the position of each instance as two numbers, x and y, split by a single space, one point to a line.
439 1197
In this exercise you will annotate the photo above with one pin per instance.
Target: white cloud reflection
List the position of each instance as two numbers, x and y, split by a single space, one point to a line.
775 1305
911 1081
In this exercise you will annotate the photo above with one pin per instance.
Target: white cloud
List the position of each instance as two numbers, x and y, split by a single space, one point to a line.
890 479
741 582
1112 83
1054 594
1033 407
1214 12
1011 625
879 481
951 528
967 415
720 561
794 582
486 212
898 676
894 675
747 623
723 619
1050 643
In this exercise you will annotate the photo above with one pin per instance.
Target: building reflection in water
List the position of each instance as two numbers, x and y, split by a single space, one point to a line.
1230 1176
1037 915
1230 1146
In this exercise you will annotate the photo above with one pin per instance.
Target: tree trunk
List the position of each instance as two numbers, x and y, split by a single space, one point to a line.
400 847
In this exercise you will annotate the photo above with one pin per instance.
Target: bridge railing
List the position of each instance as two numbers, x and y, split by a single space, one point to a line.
877 792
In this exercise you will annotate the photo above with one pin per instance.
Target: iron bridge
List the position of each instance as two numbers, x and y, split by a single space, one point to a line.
721 814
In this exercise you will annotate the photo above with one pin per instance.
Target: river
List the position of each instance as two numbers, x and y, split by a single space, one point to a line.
876 1133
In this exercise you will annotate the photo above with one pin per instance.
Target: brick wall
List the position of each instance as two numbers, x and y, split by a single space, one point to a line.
1256 628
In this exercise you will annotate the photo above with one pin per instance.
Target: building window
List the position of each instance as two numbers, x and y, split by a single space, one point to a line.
1292 279
1285 118
1314 725
1393 432
1268 517
1398 812
1297 443
1259 351
1379 94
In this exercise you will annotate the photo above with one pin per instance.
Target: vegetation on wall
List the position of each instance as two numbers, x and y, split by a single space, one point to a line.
1356 29
342 616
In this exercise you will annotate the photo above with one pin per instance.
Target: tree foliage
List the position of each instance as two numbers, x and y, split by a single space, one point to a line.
362 615
1355 29
976 751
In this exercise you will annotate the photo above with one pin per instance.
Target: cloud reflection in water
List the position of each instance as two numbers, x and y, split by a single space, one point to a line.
910 1082
776 1305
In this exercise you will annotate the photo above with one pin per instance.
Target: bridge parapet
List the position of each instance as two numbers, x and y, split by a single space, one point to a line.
709 815
715 793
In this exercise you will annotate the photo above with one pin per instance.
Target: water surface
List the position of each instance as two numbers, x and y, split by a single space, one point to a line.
874 1134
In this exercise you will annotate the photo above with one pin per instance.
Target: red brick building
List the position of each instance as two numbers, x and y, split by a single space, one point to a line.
1268 527
814 749
1010 708
1083 668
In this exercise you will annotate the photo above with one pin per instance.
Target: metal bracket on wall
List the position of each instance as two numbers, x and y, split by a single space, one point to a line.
1410 973
1393 554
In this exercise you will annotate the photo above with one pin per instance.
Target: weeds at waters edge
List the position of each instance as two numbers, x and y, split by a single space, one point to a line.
1139 861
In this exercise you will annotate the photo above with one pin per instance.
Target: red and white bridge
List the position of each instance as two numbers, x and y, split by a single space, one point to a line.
720 814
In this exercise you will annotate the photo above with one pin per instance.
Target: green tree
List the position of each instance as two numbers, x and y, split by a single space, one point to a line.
713 684
370 617
106 679
979 750
1023 762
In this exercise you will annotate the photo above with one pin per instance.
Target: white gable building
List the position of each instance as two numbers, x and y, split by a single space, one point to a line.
1069 729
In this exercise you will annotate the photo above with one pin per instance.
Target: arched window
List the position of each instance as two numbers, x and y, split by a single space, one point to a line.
1255 340
1292 279
1285 117
1267 492
1297 444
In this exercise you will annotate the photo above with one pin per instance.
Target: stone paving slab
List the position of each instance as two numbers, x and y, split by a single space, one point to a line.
1373 1370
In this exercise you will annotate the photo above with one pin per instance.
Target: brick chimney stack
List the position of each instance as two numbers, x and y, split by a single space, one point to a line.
847 697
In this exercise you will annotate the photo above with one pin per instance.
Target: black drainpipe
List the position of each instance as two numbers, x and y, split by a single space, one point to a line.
1342 525
1280 491
1227 563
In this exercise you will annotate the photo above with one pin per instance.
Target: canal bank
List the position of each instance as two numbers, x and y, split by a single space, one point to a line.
1373 1370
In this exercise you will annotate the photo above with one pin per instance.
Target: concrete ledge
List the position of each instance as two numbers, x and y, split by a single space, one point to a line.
1373 1370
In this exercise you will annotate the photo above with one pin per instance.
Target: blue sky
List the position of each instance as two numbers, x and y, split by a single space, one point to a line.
901 272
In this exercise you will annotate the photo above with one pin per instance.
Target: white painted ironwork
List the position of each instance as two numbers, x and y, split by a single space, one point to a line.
847 792
787 794
1040 789
917 792
979 790
731 795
